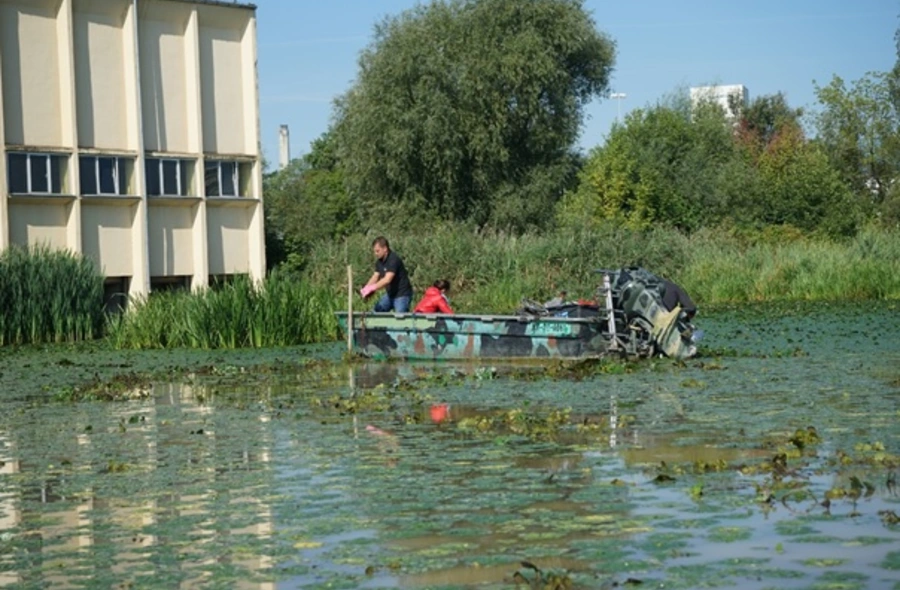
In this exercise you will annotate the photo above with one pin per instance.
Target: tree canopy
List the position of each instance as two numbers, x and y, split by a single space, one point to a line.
470 109
690 166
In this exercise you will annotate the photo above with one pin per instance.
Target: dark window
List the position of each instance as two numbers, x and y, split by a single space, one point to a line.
168 177
152 169
18 173
40 174
87 175
222 179
211 179
229 179
104 175
35 173
107 172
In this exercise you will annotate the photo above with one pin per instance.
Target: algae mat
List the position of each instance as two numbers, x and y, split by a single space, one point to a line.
769 462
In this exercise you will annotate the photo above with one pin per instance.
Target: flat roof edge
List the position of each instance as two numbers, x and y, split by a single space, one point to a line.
225 3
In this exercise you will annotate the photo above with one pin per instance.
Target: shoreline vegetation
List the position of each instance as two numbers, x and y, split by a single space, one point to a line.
490 273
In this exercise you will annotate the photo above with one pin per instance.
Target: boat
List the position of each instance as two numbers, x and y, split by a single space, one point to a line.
628 318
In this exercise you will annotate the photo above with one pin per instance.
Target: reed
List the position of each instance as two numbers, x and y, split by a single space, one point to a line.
490 272
48 296
282 311
723 270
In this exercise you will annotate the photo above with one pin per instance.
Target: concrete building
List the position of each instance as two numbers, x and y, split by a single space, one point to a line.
130 134
729 97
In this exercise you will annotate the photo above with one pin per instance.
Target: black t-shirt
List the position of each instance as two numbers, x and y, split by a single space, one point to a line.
675 295
400 285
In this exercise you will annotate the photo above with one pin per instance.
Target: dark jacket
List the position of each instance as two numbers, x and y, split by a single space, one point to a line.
433 302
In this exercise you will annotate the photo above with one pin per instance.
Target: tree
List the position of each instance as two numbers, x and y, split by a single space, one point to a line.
306 202
859 129
661 166
763 118
800 188
470 109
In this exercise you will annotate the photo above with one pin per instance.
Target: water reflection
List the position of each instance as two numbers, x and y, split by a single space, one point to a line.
140 493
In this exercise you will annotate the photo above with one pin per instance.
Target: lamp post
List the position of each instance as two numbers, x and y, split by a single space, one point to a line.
618 96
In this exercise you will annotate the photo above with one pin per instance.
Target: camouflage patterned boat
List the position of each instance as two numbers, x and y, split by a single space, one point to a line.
629 318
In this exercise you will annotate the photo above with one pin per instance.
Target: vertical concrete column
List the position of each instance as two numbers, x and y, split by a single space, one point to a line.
4 188
140 252
256 239
199 248
66 54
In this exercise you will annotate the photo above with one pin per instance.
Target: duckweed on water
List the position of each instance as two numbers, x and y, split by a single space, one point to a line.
779 470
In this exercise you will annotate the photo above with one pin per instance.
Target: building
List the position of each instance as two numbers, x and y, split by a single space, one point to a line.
130 134
732 98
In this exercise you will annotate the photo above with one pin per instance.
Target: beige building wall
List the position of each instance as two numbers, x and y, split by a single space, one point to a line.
228 236
100 80
38 224
29 50
171 245
107 237
222 86
163 78
139 86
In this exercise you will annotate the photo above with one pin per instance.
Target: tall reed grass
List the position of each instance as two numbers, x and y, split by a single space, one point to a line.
48 296
492 272
282 311
725 270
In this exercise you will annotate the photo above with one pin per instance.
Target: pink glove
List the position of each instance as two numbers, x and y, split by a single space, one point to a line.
367 290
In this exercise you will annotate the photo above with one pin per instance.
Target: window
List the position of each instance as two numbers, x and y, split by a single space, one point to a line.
223 179
168 177
105 175
36 174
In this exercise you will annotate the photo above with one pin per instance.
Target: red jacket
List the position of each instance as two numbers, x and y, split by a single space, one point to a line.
433 302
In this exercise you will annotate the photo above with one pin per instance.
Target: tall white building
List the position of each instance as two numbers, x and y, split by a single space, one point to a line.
727 96
130 134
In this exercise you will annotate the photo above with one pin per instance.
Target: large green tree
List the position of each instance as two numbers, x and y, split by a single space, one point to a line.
859 129
661 166
470 110
306 202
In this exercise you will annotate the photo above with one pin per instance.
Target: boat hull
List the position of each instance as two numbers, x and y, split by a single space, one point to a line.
441 336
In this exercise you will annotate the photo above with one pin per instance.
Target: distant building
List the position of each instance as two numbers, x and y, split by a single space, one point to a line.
732 98
129 133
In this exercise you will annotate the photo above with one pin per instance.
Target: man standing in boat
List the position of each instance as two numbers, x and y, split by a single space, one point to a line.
391 274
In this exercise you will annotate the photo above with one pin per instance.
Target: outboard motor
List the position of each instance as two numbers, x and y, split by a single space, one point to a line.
639 294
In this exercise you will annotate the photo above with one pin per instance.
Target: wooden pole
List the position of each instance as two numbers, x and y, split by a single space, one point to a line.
349 308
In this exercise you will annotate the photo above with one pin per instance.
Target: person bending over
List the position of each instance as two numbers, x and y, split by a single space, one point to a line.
435 299
391 275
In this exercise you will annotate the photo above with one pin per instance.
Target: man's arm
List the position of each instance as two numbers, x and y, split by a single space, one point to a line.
385 280
373 279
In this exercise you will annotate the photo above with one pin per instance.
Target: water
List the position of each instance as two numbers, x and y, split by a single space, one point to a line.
415 476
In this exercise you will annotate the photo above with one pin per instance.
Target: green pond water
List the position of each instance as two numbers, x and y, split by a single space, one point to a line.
770 461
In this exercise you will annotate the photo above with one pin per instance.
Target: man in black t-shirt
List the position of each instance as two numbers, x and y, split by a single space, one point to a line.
390 274
675 295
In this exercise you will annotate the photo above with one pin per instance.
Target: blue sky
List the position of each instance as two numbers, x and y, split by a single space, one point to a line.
308 52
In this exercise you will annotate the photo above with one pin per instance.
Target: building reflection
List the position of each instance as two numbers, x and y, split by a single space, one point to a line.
68 529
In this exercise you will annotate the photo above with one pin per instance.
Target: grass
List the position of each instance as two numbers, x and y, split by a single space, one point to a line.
280 312
48 296
54 296
492 272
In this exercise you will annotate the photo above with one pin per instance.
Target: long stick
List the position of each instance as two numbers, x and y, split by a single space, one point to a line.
349 308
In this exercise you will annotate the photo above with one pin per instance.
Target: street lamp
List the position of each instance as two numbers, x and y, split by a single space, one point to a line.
618 96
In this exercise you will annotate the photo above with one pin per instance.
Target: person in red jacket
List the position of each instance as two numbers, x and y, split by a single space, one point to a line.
435 299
